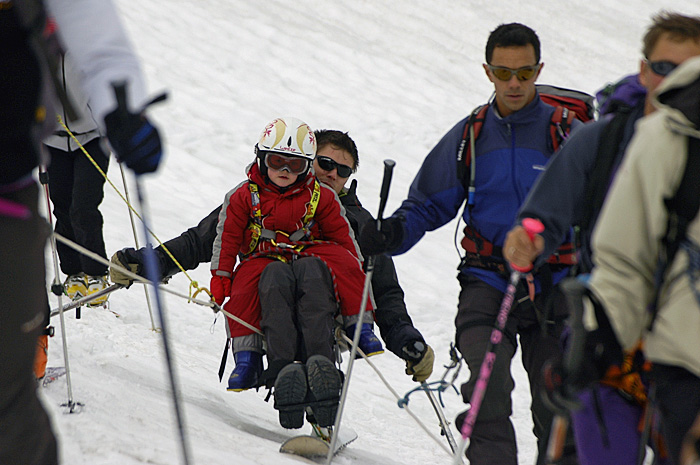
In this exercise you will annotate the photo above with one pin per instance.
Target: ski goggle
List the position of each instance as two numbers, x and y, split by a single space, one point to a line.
279 162
328 164
662 68
523 74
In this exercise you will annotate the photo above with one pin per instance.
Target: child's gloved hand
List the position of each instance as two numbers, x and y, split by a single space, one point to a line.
220 288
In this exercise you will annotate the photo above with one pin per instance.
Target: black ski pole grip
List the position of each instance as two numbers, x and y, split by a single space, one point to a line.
120 96
384 193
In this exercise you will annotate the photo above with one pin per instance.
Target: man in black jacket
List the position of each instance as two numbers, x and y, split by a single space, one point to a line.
337 158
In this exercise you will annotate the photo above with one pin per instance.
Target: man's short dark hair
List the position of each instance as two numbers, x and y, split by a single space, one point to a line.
512 35
338 139
678 27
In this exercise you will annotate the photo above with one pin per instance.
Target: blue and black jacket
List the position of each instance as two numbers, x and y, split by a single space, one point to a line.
564 194
511 152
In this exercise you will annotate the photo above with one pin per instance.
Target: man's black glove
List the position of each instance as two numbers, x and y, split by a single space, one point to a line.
134 261
134 139
128 258
375 242
419 358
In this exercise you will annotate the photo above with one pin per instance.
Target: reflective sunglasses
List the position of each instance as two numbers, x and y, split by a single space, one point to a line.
662 68
328 164
279 162
523 74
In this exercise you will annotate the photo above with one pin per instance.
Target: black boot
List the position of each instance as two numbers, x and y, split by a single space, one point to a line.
324 385
290 392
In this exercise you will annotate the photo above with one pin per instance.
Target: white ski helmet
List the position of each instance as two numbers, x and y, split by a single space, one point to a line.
288 136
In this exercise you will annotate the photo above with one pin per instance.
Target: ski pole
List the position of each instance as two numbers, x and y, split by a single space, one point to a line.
559 426
153 275
57 289
383 195
444 426
646 427
136 243
557 438
532 227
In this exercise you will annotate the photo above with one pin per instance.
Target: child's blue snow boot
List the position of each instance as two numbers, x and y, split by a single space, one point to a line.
249 366
369 342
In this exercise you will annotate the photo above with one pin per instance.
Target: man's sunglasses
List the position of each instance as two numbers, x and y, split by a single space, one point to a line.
279 162
523 74
328 164
662 68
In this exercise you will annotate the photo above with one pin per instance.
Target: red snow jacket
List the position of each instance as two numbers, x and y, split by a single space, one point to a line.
283 211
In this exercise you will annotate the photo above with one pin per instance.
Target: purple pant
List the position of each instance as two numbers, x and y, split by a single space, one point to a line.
621 419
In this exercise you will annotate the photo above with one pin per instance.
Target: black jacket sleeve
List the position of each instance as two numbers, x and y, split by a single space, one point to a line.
395 325
190 248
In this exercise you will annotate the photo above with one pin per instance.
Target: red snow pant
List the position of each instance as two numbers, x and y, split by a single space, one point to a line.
348 280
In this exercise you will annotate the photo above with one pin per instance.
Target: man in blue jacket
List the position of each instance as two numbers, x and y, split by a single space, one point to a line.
511 150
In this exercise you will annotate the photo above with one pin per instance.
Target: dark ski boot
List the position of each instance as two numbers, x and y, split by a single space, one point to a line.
290 392
324 386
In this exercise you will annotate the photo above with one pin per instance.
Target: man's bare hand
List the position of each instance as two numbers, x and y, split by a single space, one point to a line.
519 249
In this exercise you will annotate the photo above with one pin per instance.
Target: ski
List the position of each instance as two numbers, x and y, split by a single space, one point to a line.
52 374
318 443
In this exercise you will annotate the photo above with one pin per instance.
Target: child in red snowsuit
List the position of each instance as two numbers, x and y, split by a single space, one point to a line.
281 213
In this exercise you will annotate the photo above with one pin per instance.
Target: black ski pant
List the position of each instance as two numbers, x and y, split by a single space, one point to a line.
493 437
298 310
678 400
25 430
77 188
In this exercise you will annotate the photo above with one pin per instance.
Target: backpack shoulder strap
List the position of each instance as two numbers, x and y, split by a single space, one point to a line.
686 202
682 209
465 153
608 145
560 126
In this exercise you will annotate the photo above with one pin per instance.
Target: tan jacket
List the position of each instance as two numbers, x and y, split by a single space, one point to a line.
633 221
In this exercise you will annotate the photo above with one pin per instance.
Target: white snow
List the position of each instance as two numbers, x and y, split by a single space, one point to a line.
397 76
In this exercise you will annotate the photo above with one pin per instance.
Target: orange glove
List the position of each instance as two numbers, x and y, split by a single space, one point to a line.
220 288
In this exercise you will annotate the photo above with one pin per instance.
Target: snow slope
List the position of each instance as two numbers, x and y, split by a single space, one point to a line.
397 76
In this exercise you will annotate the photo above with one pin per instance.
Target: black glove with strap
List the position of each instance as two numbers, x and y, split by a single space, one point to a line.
134 139
128 258
133 260
375 242
419 358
